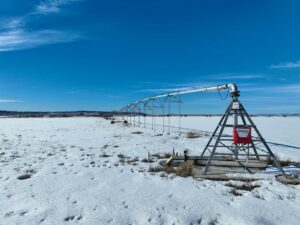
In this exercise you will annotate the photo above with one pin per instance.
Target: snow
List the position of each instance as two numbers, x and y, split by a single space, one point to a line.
77 176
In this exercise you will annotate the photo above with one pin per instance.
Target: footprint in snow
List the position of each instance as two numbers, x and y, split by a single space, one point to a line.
69 218
9 213
24 177
23 213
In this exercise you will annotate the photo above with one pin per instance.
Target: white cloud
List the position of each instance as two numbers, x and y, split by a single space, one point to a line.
15 35
237 76
161 90
51 6
295 88
288 89
19 39
286 65
9 101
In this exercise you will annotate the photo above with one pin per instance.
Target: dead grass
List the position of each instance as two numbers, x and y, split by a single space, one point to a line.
161 169
192 134
228 178
162 156
238 188
145 160
283 163
235 192
184 170
288 180
134 160
292 182
247 186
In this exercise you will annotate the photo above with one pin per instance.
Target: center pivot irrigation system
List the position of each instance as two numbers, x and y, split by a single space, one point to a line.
236 141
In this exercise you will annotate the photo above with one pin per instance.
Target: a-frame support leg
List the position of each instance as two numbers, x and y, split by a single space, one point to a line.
219 136
217 128
264 142
245 123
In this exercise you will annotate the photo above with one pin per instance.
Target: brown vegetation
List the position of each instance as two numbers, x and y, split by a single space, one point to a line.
185 169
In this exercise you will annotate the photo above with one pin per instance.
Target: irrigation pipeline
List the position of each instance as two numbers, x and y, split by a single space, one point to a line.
241 121
230 86
163 102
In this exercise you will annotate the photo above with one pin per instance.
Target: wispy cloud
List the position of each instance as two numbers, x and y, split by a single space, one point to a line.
270 99
9 101
167 88
294 88
234 76
16 35
284 89
52 6
20 39
162 90
287 89
286 65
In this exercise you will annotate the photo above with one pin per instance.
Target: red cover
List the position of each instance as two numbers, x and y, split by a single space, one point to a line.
242 135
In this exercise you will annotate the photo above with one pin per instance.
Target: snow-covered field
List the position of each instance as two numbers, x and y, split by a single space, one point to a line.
87 171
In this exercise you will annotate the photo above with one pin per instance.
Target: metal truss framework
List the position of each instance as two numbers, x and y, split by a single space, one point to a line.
221 143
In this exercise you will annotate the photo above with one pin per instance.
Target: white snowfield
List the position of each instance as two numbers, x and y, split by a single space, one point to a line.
85 171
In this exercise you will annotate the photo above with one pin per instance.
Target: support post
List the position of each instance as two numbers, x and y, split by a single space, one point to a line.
217 141
264 142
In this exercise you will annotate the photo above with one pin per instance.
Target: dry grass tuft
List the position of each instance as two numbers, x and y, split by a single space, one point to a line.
192 134
163 156
184 170
235 192
161 169
145 160
247 186
133 161
283 163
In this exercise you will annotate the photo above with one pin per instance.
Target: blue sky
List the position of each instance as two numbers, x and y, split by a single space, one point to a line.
100 55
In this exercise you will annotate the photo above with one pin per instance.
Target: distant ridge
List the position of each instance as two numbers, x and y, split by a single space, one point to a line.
25 114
